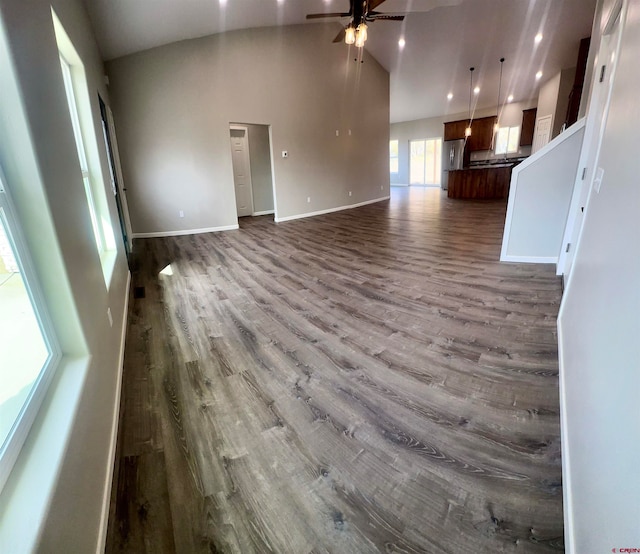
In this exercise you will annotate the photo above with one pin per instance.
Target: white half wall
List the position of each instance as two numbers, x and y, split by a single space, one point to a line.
599 333
173 105
539 198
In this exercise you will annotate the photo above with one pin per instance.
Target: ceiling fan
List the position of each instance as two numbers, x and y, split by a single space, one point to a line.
360 13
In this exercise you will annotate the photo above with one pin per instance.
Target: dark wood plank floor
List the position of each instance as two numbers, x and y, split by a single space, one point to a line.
367 381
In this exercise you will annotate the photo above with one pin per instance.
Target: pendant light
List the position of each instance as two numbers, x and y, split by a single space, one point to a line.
467 131
496 127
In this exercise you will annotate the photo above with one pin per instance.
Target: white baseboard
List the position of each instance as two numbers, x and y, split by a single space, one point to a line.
106 497
530 259
185 232
330 210
265 212
399 184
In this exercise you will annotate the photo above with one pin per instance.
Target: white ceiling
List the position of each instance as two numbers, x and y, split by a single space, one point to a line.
443 39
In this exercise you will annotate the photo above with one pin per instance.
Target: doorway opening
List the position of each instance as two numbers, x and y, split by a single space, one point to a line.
252 169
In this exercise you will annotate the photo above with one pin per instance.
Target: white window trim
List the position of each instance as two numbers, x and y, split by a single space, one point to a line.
17 436
513 129
396 157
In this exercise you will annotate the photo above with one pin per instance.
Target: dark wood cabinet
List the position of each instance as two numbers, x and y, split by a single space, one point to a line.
528 126
483 183
482 134
454 130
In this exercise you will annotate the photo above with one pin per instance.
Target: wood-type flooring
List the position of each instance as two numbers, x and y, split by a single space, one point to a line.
372 380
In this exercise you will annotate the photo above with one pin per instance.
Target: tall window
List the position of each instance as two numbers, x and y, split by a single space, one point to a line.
75 85
425 161
28 348
394 166
507 140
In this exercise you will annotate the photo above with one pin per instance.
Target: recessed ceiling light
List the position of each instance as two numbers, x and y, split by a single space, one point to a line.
401 43
510 98
476 90
223 2
538 38
450 96
538 75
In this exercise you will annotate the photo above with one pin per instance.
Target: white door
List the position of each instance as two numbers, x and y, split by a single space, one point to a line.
598 104
543 132
241 170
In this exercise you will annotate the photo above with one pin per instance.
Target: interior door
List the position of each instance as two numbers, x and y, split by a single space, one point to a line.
543 133
241 170
116 174
598 104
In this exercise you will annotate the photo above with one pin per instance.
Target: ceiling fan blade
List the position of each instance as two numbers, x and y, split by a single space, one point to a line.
339 36
387 18
328 14
373 4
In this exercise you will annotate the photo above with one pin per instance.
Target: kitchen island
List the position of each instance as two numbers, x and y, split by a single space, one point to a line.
481 182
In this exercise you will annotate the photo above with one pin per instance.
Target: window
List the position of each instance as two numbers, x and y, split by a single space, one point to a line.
75 85
507 140
425 161
28 348
393 156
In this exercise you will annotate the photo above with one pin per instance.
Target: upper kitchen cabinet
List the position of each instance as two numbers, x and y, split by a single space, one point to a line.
481 133
528 126
454 130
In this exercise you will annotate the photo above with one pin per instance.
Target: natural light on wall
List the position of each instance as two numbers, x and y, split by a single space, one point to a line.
75 84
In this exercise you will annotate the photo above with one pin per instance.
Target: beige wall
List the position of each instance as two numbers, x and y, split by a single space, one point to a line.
54 496
173 105
553 99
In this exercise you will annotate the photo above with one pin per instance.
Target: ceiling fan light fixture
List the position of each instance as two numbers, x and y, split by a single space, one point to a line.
361 34
349 35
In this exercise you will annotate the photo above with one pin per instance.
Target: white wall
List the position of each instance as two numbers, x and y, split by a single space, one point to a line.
599 331
539 198
434 128
53 499
173 104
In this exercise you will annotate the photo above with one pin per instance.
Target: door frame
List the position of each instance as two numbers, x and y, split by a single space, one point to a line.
594 131
247 153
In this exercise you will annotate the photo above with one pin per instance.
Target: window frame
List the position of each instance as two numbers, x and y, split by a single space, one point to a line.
10 448
396 157
437 161
511 130
85 136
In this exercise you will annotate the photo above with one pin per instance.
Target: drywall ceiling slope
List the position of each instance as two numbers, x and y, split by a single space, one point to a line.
443 39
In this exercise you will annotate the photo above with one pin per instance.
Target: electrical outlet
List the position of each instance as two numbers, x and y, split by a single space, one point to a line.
285 154
110 317
337 133
308 199
381 187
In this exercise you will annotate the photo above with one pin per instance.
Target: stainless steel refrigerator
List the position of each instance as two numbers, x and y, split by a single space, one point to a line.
452 158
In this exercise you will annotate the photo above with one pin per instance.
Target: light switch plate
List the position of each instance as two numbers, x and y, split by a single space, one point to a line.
597 180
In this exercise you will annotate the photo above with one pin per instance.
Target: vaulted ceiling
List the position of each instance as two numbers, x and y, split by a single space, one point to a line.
443 38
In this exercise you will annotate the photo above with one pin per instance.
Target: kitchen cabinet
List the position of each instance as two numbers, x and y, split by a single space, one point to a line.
480 183
454 130
528 126
482 134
